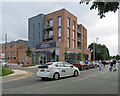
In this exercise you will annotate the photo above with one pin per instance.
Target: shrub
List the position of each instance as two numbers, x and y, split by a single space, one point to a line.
27 65
6 71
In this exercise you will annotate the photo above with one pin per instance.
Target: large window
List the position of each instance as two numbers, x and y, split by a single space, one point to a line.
33 36
51 33
33 26
68 24
73 44
59 32
59 21
73 25
50 22
39 25
68 43
73 34
68 33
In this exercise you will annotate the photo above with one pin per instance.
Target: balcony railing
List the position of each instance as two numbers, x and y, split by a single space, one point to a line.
78 31
78 39
48 27
48 37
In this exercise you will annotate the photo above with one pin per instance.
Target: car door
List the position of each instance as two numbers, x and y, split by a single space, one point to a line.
61 69
68 68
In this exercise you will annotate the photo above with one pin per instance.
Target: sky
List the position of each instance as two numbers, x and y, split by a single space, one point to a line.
15 21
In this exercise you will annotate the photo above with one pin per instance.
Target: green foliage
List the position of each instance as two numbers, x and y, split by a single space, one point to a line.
103 7
6 71
28 52
117 57
101 52
28 65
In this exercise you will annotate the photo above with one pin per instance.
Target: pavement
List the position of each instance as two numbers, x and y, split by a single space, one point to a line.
18 74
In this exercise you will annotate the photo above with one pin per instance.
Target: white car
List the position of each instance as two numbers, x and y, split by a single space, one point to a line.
57 70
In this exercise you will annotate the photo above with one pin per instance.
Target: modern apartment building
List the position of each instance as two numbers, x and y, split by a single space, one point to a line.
59 39
15 51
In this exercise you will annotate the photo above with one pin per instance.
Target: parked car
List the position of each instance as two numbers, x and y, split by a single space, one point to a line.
80 65
57 70
4 64
93 65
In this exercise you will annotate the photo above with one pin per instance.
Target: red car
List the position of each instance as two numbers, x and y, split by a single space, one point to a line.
81 65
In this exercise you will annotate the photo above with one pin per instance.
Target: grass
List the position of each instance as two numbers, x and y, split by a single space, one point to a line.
6 71
27 65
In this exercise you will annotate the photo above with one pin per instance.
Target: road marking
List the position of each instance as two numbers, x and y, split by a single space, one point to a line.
91 76
30 74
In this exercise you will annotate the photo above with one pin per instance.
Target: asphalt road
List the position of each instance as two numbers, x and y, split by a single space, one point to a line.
91 81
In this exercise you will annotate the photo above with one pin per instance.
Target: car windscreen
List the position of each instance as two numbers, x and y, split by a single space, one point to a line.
45 65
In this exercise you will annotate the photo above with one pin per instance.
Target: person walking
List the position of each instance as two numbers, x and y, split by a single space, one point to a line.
111 65
114 65
100 64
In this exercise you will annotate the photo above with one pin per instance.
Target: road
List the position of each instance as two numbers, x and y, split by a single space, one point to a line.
91 81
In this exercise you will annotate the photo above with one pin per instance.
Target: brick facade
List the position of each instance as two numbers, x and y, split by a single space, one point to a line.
15 52
64 15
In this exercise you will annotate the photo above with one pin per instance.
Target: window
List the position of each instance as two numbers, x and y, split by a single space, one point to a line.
14 52
33 45
33 26
73 44
11 54
67 65
50 22
59 21
59 39
60 65
59 32
68 43
33 36
68 32
39 25
73 25
68 22
51 34
39 35
73 34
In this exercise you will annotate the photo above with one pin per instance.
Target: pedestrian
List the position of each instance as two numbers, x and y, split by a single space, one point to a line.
100 64
86 62
114 65
18 63
111 65
40 62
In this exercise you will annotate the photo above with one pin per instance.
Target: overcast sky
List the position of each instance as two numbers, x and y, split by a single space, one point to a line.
15 18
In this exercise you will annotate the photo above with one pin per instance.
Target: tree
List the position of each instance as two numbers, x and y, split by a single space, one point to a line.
101 51
103 7
28 52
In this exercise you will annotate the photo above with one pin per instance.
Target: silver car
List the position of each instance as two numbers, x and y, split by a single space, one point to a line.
57 70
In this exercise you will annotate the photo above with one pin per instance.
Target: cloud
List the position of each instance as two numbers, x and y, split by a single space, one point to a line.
15 17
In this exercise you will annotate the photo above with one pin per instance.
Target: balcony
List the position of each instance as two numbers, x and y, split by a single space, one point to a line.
78 31
49 27
78 39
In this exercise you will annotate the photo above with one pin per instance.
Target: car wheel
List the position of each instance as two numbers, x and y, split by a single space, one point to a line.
76 73
56 76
